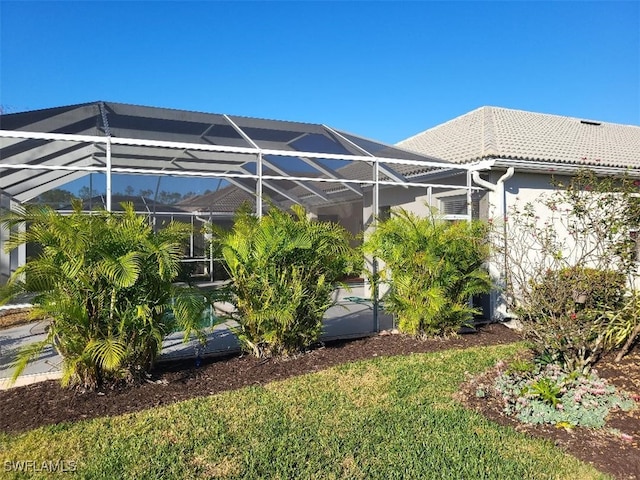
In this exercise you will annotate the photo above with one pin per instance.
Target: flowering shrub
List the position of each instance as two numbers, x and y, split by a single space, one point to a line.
550 395
570 257
572 289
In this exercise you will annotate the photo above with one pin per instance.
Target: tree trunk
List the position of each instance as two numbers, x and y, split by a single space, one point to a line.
629 343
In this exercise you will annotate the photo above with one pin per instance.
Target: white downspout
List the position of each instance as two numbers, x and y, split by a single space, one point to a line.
495 188
499 311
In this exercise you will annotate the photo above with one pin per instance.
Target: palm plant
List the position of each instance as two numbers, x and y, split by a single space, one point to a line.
283 270
105 282
432 268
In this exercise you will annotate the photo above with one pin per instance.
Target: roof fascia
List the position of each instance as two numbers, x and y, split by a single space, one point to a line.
563 168
484 164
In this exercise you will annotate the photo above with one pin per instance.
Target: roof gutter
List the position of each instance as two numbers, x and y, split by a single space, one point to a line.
537 166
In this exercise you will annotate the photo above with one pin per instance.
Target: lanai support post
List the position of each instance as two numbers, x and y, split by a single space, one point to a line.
107 132
259 187
108 187
469 198
376 213
469 216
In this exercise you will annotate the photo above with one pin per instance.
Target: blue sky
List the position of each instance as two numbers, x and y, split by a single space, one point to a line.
384 70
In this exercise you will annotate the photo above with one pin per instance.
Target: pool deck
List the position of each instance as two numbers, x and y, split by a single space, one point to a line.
351 317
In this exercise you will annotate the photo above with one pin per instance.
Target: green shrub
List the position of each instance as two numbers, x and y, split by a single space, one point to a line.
432 268
283 269
105 281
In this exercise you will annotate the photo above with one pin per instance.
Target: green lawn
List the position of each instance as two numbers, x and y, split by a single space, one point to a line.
384 418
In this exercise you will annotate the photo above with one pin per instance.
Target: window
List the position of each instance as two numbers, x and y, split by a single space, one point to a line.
455 207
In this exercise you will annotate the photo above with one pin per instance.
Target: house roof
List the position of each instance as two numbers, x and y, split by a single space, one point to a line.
225 200
140 204
502 133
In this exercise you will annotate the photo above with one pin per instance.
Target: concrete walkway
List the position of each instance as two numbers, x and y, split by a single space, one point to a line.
351 317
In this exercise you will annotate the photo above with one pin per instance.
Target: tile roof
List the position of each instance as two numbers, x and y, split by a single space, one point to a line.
493 132
140 204
225 200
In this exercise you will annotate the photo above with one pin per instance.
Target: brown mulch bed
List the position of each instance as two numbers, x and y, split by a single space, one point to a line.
45 403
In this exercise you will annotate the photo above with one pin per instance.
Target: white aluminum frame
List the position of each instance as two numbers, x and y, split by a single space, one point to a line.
255 150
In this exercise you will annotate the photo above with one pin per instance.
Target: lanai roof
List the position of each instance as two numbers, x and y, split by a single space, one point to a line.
150 140
502 133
